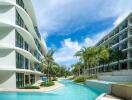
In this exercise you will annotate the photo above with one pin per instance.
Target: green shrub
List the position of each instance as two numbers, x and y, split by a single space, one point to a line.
30 87
48 83
80 79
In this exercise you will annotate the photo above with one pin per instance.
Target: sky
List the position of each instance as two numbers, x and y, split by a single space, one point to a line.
68 25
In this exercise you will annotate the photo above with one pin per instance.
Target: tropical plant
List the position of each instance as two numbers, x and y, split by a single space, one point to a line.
91 56
80 79
103 55
48 62
48 83
77 68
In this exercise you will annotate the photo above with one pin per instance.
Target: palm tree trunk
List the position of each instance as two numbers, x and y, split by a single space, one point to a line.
84 70
103 67
79 71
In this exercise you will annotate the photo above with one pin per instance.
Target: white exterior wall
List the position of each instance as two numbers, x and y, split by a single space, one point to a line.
7 36
117 76
7 14
120 78
9 0
7 80
7 59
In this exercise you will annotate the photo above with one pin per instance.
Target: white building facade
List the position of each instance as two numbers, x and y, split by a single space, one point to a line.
119 40
21 46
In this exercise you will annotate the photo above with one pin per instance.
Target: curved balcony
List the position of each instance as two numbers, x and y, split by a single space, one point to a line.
26 18
19 70
23 52
25 34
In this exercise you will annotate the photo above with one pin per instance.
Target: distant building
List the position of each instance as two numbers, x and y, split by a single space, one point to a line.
119 39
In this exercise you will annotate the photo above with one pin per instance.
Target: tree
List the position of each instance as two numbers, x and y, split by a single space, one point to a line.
48 62
88 57
91 53
103 54
77 68
91 56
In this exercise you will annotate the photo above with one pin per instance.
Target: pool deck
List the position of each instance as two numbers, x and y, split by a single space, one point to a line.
105 96
42 89
109 97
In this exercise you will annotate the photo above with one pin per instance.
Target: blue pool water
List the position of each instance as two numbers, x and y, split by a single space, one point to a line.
70 91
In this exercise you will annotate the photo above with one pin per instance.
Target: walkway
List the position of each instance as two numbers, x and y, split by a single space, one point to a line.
42 89
109 97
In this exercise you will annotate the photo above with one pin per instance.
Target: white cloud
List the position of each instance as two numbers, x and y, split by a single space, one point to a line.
65 54
55 14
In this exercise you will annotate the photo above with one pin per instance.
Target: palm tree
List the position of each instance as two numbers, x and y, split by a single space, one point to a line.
82 58
88 57
103 54
91 58
77 68
48 62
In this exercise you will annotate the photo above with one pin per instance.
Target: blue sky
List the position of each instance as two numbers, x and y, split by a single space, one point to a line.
67 25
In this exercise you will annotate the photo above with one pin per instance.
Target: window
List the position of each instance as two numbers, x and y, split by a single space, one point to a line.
116 40
19 61
37 31
26 79
19 40
19 20
38 45
130 64
130 31
37 55
124 55
124 65
124 25
123 45
32 79
130 20
19 80
123 36
26 63
117 30
26 46
36 66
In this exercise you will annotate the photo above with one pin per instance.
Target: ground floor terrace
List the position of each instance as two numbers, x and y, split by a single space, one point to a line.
17 79
119 71
114 66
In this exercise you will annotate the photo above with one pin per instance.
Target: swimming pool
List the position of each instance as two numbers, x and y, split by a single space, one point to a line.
70 91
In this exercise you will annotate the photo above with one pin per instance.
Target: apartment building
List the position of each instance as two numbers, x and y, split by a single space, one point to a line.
21 46
120 41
